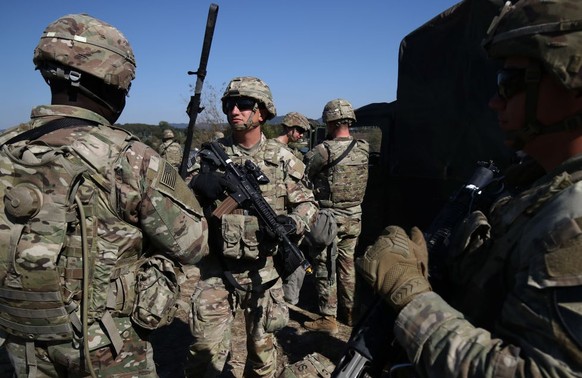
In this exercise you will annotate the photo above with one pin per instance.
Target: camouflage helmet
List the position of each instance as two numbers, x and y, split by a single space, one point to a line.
89 45
549 32
338 109
254 88
168 134
296 119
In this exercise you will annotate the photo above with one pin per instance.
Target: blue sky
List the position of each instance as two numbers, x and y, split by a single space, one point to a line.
308 51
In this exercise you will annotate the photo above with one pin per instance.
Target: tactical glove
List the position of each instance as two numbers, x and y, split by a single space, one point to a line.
209 185
396 266
289 227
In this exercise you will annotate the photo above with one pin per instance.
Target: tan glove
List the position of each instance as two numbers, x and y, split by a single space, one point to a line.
396 266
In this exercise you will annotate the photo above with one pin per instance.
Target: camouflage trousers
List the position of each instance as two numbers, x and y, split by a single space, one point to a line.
292 285
335 273
213 311
63 359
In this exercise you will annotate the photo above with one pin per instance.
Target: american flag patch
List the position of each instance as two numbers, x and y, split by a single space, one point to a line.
169 176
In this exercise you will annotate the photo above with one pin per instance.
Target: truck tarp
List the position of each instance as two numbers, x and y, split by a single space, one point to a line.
440 124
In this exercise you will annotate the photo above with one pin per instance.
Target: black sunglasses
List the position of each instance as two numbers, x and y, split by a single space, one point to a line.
510 81
242 103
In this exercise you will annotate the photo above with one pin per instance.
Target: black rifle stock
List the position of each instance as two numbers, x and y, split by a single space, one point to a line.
246 193
194 105
368 348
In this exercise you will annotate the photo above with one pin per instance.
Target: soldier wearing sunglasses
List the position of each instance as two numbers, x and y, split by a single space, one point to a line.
519 267
294 126
239 273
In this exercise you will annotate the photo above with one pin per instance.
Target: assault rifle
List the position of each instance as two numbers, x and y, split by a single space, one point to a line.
245 192
194 105
368 348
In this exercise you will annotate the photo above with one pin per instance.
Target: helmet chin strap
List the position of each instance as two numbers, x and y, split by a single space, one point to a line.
533 127
74 79
249 124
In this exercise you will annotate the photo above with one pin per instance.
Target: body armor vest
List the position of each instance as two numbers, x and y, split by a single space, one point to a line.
343 185
48 189
241 233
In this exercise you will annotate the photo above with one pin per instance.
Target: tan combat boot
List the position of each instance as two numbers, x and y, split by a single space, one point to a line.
326 323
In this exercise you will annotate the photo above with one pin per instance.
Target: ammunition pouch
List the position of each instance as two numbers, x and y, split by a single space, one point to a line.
242 238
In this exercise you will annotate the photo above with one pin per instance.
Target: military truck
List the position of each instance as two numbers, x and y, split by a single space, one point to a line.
439 126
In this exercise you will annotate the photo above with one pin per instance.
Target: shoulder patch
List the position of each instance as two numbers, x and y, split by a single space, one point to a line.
168 176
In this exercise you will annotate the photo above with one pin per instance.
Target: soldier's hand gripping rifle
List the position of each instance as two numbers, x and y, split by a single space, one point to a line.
244 192
194 105
369 348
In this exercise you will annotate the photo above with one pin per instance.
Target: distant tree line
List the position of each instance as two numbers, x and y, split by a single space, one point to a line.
152 134
211 120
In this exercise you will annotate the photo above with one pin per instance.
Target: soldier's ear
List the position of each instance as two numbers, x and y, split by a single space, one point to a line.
263 115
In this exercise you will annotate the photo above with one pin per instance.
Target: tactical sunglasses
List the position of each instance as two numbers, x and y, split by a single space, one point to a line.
242 103
510 81
299 129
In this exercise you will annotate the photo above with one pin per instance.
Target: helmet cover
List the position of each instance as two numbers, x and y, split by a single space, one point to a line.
296 119
338 109
89 45
252 87
549 32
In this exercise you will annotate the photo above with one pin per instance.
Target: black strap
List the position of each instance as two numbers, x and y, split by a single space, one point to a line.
253 288
48 127
341 157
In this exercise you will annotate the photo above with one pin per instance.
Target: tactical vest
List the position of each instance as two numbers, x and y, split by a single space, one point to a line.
343 185
172 152
58 207
241 233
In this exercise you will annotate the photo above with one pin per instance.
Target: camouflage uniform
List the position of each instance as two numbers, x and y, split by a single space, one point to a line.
171 151
143 207
518 312
525 288
244 252
341 189
292 284
88 225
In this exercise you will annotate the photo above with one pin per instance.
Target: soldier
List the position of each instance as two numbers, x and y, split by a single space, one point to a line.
82 201
240 271
294 126
170 149
519 311
338 168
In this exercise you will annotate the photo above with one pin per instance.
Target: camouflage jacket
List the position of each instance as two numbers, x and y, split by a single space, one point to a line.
342 186
133 204
288 146
143 203
521 311
244 249
172 152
